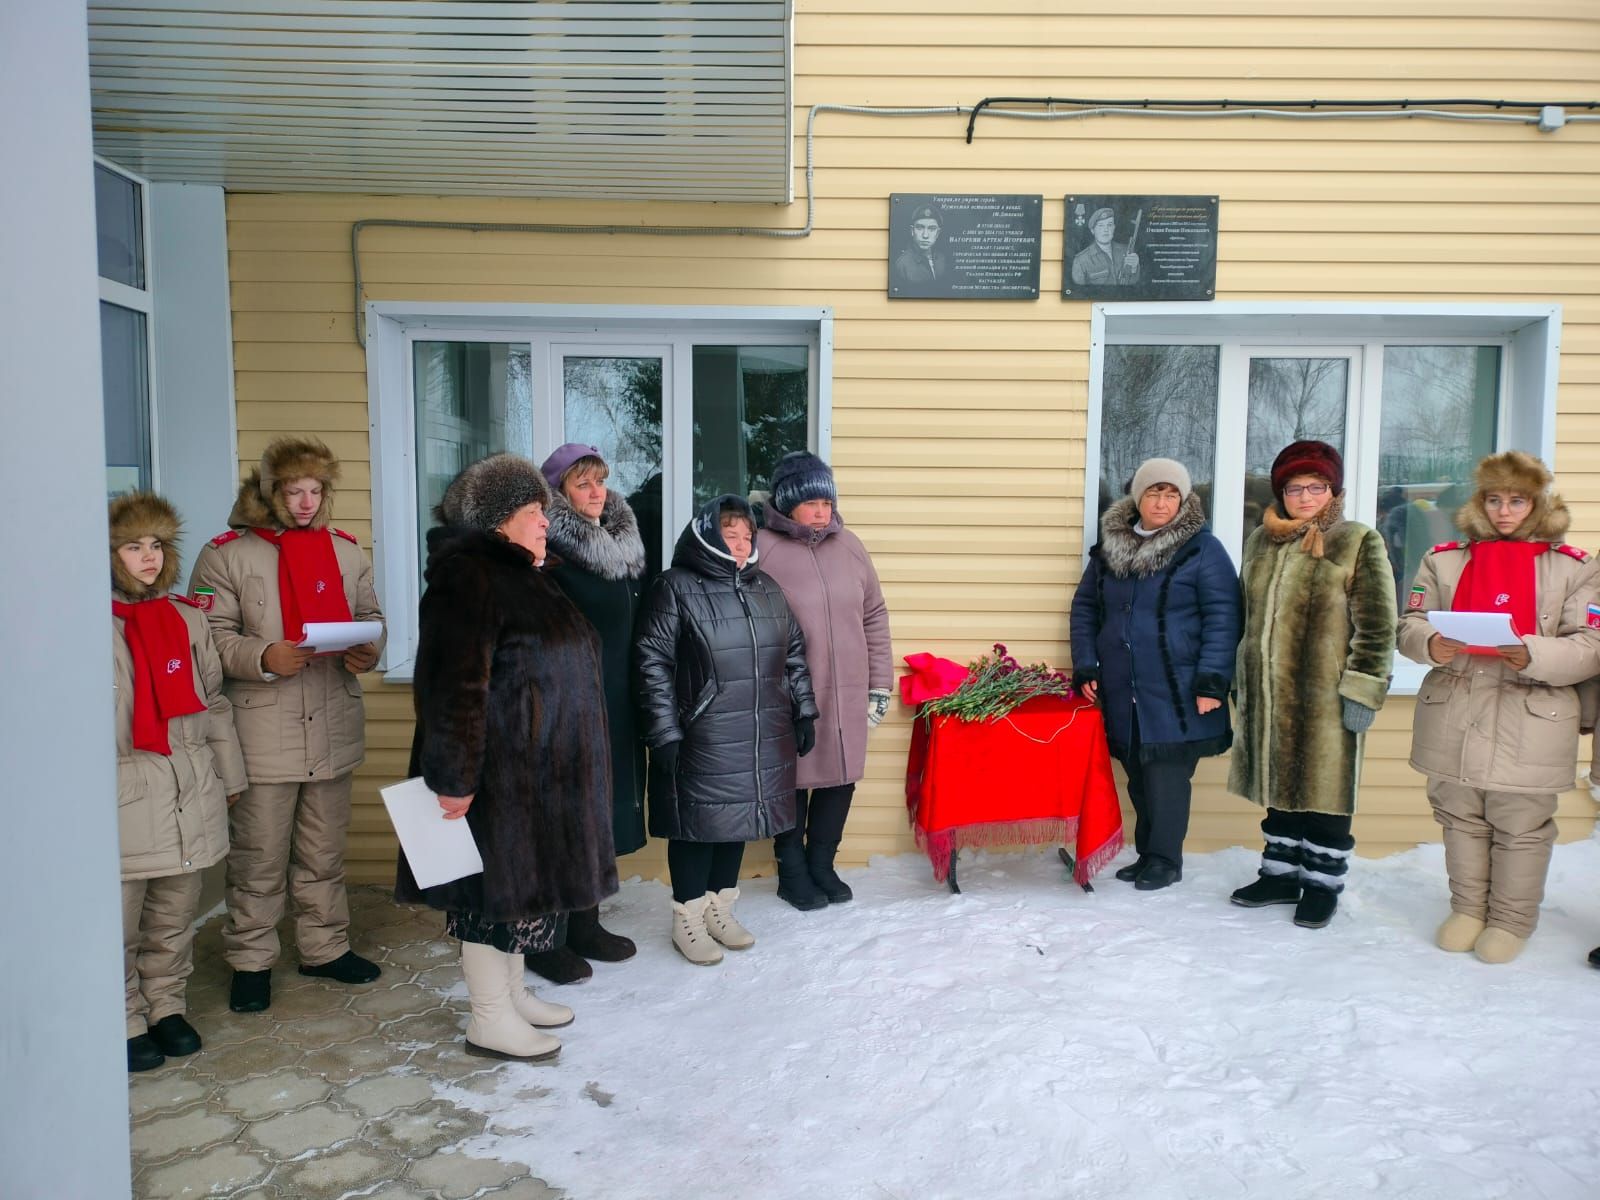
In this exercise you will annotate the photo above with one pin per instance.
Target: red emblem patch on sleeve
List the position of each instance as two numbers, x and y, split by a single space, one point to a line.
1419 597
1594 616
203 598
222 539
1572 552
349 537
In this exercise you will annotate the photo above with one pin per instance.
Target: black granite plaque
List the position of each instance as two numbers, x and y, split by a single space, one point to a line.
964 247
1140 248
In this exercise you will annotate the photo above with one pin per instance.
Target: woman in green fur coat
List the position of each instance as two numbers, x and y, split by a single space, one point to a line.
1313 671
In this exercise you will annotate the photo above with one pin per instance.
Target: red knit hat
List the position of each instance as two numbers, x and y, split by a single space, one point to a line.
1307 458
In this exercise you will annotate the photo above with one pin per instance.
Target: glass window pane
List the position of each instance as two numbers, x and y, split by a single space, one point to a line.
614 402
1158 402
125 391
751 407
1440 407
473 399
1290 400
119 227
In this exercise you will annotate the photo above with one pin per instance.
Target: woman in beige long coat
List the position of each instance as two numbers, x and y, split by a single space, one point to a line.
1496 729
178 769
300 718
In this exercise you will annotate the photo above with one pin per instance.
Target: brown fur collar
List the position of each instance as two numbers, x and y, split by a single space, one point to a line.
1523 474
260 500
1125 553
139 515
1310 532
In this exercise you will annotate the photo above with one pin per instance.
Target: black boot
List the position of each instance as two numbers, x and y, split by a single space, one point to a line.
561 965
819 862
1131 872
794 880
1594 957
1316 908
587 938
175 1036
1158 873
144 1054
251 991
1270 889
349 967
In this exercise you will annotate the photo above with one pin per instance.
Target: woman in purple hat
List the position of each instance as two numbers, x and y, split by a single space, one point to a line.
598 560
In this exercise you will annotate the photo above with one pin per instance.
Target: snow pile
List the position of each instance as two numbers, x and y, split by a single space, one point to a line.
1025 1039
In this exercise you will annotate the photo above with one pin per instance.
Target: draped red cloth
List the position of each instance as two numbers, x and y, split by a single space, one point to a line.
310 587
1501 577
1040 775
163 678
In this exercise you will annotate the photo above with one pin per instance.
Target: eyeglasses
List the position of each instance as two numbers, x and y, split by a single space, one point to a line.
1295 490
1509 503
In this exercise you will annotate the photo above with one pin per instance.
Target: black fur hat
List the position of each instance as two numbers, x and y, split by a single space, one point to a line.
490 490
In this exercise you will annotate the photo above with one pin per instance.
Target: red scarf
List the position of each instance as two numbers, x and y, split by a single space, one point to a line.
310 587
1502 577
163 678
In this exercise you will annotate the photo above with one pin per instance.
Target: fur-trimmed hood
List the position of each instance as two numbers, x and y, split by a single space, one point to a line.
1126 554
140 515
610 548
1522 473
260 500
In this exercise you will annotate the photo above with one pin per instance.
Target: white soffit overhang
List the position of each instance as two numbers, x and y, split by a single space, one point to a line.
682 100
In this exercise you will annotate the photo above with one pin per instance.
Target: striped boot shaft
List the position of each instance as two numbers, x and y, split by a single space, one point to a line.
1324 866
1281 855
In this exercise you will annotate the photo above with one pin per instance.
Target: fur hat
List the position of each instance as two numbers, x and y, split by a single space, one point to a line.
1519 472
801 476
1160 470
141 515
1307 458
563 458
260 501
490 490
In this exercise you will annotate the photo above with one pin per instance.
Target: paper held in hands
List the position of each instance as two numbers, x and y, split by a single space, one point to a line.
1479 630
335 637
438 851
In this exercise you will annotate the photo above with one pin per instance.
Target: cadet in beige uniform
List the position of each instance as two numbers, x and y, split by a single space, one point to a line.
300 718
178 765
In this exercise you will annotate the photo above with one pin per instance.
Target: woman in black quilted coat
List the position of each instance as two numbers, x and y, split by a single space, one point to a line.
725 707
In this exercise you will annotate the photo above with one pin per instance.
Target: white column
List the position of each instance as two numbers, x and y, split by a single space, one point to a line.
63 1068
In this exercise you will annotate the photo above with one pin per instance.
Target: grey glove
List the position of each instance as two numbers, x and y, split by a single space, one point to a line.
877 707
1357 717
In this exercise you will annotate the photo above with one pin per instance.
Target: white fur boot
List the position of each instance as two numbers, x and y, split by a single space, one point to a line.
722 925
689 933
495 1030
541 1013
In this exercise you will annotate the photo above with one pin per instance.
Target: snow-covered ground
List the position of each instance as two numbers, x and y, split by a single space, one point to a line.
1025 1039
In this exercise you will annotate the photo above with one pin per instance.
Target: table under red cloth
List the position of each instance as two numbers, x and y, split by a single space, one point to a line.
1040 775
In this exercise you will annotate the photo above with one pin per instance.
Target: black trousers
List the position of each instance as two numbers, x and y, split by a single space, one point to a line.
700 867
820 815
1160 794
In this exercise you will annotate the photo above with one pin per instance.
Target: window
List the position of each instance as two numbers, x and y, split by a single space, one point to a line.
122 235
1412 397
684 404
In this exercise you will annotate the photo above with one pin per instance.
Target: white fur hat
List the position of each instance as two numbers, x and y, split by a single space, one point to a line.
1160 470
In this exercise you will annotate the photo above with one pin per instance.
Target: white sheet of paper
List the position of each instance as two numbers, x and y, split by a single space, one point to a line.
437 850
331 637
1481 629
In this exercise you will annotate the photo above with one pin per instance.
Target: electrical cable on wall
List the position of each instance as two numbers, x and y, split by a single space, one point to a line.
1548 116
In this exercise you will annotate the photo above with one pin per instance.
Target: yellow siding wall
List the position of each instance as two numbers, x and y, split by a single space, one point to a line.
960 427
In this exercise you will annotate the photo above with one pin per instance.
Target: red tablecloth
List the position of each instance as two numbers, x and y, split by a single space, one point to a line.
1039 775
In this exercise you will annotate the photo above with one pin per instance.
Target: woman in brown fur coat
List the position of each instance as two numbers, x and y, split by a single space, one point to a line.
1496 729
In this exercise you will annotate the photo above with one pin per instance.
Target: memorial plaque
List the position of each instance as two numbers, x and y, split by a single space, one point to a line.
964 247
1140 248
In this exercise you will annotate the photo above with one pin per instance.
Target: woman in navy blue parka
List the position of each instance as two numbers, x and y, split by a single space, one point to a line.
1155 627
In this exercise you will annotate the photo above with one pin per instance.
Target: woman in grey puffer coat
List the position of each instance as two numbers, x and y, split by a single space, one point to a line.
725 707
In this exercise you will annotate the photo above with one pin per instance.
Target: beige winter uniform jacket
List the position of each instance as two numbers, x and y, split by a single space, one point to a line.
173 809
1482 724
309 726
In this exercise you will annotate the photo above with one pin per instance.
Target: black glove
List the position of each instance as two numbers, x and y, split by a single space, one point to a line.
664 758
805 735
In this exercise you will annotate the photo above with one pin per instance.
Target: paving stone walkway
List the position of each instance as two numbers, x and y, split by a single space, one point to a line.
328 1094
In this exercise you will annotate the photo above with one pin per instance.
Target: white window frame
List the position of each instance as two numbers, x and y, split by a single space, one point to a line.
1529 337
140 300
392 327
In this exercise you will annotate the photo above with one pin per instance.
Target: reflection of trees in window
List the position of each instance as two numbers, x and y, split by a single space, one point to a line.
615 404
1158 402
1292 400
751 407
